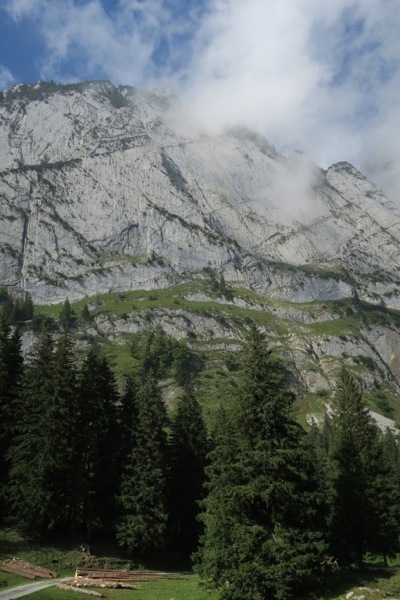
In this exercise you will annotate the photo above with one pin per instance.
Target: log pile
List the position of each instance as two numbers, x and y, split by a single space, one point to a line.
121 575
86 582
17 566
70 588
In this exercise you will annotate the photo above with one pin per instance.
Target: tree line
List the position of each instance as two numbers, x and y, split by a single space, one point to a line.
79 455
264 507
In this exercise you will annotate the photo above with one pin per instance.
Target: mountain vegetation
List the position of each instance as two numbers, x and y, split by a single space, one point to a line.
260 501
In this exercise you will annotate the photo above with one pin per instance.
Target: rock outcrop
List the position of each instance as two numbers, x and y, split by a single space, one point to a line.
105 189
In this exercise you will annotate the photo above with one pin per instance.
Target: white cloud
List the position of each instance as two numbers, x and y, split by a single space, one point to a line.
84 41
6 77
22 8
320 77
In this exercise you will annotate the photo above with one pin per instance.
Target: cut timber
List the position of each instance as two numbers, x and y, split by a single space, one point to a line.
85 582
18 566
15 571
117 575
71 588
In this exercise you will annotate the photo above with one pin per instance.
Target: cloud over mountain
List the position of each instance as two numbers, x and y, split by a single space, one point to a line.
324 79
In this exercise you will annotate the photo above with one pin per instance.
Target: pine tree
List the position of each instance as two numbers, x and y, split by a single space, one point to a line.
62 438
189 447
15 312
128 415
66 315
182 368
364 497
260 535
391 453
44 454
143 498
384 538
214 558
85 314
10 373
27 308
389 498
27 492
98 471
7 309
10 370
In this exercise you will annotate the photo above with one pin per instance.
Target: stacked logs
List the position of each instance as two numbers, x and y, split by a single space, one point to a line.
121 575
107 579
66 587
87 582
17 566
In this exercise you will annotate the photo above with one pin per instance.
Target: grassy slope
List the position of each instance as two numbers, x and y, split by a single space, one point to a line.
183 588
214 380
64 556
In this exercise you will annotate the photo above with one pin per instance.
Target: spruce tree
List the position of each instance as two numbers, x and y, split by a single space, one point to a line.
214 558
62 438
11 364
97 415
143 497
188 447
28 494
261 539
85 314
44 454
66 315
27 308
391 453
128 414
183 371
364 496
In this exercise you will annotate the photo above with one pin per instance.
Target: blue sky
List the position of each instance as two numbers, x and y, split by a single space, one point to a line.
127 41
323 78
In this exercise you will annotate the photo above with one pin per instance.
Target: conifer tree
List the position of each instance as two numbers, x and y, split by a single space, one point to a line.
214 558
10 373
27 492
66 314
181 363
85 314
98 470
27 308
389 498
128 415
364 497
62 437
261 539
391 453
143 497
189 447
7 309
44 454
11 363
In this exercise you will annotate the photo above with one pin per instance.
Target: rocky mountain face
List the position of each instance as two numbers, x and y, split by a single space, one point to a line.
106 189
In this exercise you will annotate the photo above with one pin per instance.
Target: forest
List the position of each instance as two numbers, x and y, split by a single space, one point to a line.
263 507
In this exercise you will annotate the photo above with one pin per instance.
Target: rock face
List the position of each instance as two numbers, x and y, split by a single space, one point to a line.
105 189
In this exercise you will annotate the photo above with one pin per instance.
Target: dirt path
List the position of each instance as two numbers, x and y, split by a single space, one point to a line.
25 590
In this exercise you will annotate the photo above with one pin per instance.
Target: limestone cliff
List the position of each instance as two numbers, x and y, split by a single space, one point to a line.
106 189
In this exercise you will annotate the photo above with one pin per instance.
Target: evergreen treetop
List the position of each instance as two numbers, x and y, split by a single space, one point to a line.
260 536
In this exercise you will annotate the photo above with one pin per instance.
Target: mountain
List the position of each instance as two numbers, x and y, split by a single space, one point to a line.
110 190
